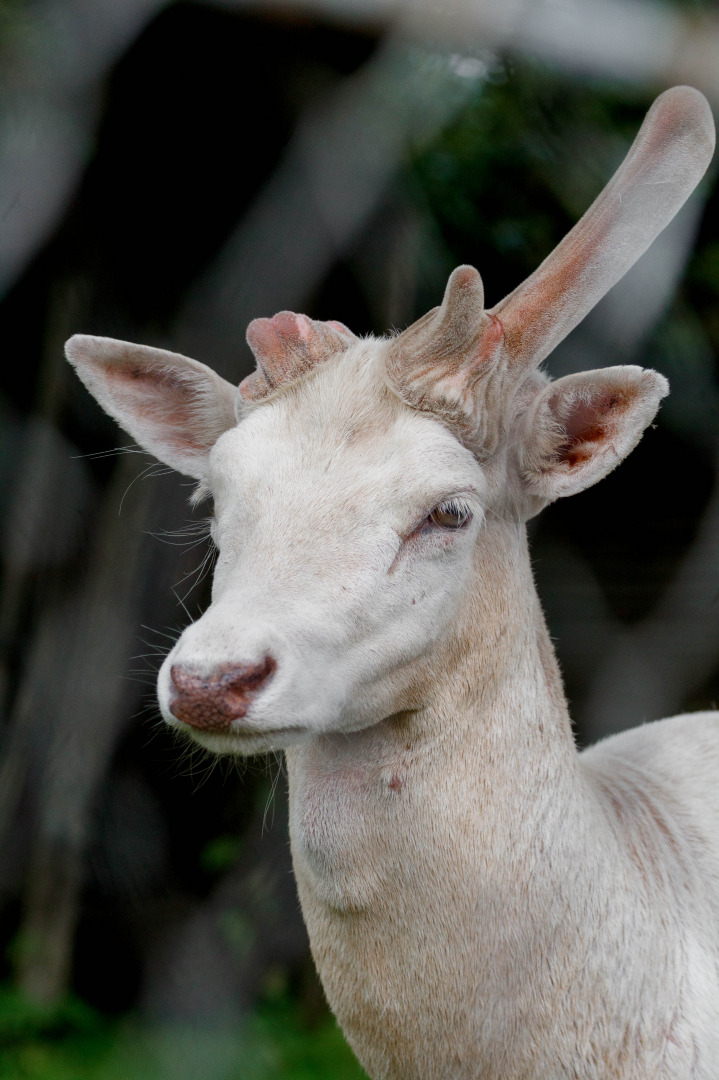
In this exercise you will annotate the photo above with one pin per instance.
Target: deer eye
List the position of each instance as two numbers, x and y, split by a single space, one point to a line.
451 514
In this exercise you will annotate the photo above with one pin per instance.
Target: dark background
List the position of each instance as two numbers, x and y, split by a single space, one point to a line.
168 172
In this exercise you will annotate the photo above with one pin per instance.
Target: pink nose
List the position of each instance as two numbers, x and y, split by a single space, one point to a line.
211 702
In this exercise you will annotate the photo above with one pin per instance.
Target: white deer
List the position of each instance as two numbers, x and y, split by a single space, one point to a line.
482 900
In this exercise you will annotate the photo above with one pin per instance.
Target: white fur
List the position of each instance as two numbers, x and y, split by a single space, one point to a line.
482 901
312 496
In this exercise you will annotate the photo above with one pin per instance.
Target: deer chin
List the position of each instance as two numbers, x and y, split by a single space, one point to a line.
246 737
246 743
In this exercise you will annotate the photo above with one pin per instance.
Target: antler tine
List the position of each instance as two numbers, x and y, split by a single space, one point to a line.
665 163
288 346
434 363
459 314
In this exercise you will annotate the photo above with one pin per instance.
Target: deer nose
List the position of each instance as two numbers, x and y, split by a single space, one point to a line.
211 702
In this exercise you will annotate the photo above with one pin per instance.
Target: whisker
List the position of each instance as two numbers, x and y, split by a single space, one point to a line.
182 602
153 469
98 454
199 573
273 788
172 635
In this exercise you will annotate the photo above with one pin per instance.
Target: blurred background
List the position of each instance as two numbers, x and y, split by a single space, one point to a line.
169 171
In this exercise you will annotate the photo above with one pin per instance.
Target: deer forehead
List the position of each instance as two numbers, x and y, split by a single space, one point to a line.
339 440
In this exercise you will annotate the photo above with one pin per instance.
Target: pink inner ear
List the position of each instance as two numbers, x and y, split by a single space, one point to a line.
155 393
587 422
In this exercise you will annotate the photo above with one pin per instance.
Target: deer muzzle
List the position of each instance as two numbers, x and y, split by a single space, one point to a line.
212 702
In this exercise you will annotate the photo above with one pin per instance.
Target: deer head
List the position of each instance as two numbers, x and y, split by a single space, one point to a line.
357 482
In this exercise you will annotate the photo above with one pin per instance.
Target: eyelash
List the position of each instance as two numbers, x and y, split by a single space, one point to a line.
450 515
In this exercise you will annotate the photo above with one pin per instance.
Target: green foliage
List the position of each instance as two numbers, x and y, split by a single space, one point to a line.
73 1042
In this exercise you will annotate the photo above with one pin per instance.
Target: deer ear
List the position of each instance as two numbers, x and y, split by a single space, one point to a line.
174 407
580 427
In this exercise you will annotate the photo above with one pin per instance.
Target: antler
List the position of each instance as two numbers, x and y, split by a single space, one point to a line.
286 347
440 362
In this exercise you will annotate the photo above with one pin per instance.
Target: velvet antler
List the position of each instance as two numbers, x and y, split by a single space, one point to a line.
438 363
459 361
286 347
